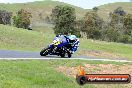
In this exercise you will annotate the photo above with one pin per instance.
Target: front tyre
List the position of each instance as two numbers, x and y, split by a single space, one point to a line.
44 52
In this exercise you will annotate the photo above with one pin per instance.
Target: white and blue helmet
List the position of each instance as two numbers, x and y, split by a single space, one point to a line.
72 37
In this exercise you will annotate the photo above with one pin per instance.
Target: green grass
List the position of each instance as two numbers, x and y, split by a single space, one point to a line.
12 38
32 74
39 73
74 63
124 50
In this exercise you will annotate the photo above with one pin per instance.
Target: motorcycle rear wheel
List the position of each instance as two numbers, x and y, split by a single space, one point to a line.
62 55
69 55
66 55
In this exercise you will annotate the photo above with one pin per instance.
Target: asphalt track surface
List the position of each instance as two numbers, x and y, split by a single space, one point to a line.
15 55
25 54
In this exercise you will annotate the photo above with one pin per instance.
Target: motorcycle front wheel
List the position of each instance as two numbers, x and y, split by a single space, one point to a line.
44 52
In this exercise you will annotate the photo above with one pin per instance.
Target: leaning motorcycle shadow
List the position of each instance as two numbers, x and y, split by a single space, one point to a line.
53 56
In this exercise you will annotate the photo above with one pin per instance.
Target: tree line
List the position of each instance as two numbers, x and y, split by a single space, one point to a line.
117 28
20 20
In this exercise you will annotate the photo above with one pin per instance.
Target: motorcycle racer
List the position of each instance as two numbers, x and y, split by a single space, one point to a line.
70 41
62 45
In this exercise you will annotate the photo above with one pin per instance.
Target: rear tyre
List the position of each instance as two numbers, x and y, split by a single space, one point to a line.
69 55
44 52
62 54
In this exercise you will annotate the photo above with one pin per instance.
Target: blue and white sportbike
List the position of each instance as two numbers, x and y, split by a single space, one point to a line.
59 47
